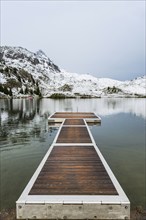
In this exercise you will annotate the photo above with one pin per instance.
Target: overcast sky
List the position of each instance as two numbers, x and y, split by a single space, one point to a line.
102 38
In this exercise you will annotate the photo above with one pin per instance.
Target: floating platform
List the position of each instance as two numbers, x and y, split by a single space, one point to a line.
58 117
73 181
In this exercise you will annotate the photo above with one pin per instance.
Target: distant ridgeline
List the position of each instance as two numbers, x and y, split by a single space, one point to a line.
24 73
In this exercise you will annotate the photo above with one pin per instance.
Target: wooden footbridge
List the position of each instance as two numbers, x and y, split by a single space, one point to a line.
73 181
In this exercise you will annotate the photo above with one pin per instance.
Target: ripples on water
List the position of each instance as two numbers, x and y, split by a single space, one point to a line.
25 137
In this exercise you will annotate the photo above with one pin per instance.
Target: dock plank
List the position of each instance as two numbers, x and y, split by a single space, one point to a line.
75 115
74 135
74 122
71 179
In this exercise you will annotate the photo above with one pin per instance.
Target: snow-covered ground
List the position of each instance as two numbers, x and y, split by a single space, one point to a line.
51 79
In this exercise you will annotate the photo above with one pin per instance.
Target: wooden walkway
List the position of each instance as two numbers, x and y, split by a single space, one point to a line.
73 175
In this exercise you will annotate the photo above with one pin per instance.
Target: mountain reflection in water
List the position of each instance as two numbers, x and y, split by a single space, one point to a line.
25 138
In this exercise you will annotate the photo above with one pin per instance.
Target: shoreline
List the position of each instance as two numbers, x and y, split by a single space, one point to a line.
72 96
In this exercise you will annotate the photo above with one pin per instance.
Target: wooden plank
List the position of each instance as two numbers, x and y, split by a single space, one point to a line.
74 122
73 173
74 135
76 115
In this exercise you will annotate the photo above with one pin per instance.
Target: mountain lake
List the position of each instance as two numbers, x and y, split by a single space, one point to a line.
25 138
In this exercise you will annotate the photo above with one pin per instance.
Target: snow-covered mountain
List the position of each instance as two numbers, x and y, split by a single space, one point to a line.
24 73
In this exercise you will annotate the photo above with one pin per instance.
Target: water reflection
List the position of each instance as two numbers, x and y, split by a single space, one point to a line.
21 110
27 109
20 119
103 107
25 138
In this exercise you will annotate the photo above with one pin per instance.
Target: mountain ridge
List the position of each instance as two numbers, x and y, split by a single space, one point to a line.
24 73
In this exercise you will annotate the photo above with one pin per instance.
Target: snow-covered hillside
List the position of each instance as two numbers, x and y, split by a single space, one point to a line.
24 73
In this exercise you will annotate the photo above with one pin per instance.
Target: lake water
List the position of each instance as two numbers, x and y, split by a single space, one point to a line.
25 138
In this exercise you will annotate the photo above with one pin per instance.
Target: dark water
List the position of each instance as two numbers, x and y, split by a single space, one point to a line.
25 138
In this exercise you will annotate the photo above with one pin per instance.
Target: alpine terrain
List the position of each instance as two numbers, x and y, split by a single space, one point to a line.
24 73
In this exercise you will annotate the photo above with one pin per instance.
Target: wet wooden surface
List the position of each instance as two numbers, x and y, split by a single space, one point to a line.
74 135
74 115
74 122
73 170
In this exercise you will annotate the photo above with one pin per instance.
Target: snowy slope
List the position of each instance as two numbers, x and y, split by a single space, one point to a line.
25 73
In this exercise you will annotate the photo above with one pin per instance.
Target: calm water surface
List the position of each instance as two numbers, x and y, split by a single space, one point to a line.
25 137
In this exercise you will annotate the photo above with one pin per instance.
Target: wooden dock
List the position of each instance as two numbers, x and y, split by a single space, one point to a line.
73 181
